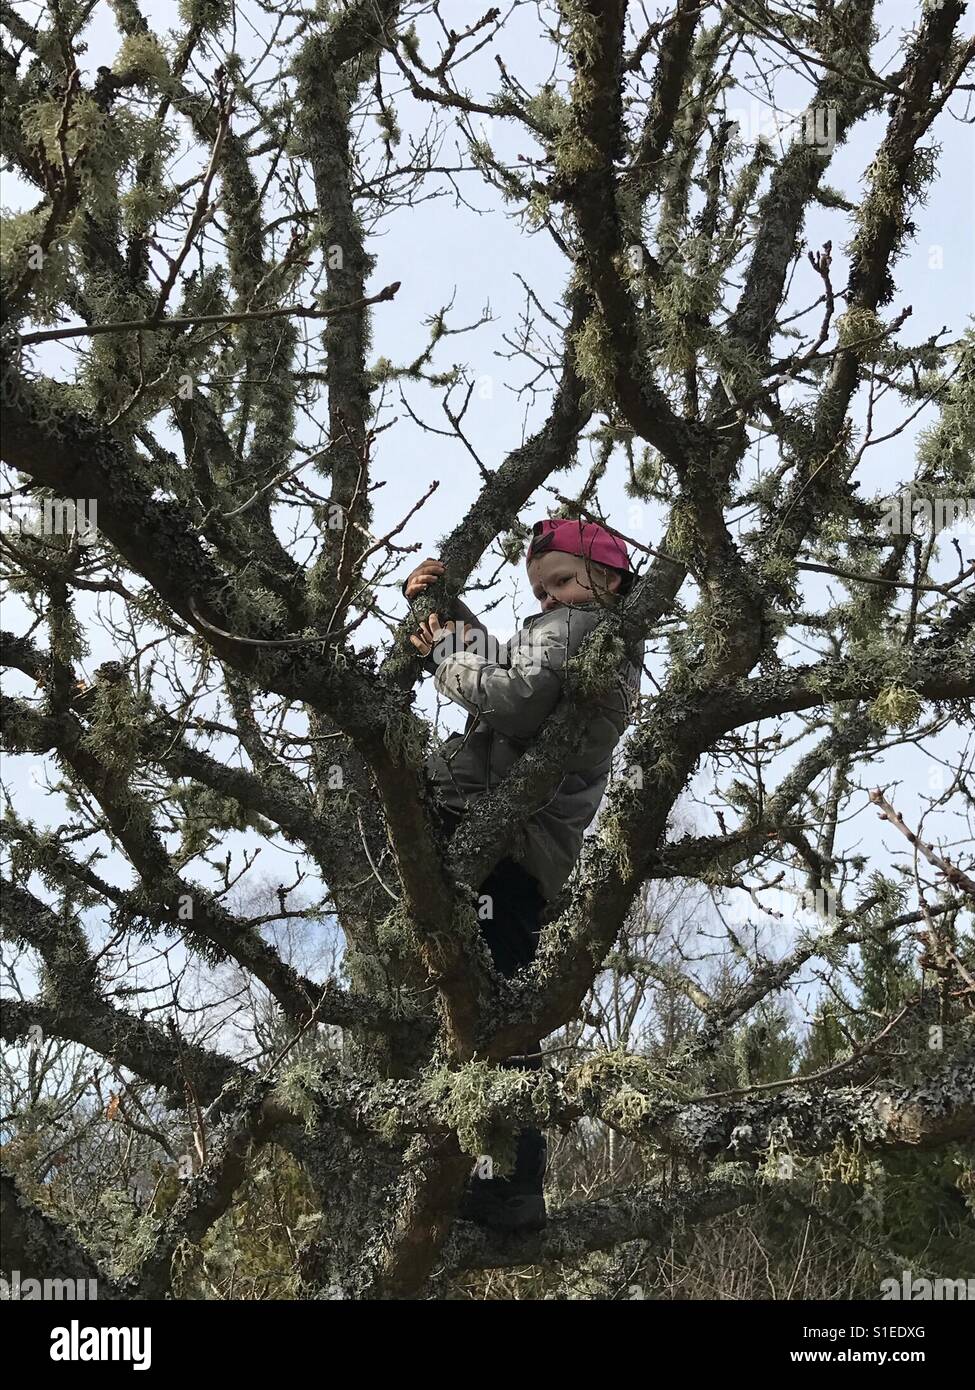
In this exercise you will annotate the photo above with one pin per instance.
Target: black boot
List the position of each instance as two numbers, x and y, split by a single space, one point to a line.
511 1204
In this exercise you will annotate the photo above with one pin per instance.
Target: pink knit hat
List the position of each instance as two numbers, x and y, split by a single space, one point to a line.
585 538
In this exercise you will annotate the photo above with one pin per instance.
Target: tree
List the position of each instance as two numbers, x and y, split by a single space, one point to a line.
231 566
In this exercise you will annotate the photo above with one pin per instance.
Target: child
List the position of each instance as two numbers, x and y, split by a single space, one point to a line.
575 569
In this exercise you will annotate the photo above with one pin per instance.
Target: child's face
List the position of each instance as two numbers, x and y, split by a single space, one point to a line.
559 580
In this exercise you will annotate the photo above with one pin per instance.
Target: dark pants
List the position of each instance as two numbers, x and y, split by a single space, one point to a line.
511 934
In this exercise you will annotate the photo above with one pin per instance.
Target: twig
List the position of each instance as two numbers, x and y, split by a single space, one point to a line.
879 579
365 846
203 210
955 876
857 1055
271 642
85 330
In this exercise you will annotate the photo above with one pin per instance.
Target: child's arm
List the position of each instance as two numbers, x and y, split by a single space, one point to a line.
485 645
420 579
517 697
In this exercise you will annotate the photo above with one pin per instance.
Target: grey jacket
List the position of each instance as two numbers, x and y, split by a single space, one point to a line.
508 693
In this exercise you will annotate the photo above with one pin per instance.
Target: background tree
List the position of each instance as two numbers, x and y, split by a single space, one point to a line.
256 694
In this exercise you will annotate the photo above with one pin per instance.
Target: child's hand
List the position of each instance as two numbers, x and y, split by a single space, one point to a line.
423 576
432 631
